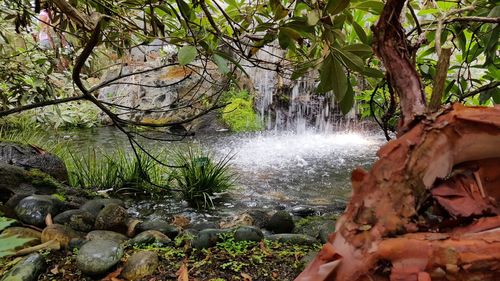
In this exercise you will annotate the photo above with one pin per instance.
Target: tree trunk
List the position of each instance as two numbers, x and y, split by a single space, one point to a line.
429 207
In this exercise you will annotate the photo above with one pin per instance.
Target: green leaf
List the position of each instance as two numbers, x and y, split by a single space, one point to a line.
360 32
312 17
372 72
336 6
348 101
5 222
221 64
278 9
8 244
351 60
332 77
232 60
361 50
286 36
184 8
187 54
374 7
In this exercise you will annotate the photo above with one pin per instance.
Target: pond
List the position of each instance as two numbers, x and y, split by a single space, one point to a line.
276 170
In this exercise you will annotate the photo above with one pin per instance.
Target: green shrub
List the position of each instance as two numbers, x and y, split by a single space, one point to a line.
239 114
200 176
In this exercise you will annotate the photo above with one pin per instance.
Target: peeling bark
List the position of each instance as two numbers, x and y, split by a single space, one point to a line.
407 217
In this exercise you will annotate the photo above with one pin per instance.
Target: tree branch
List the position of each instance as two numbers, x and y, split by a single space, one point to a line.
40 104
440 79
481 89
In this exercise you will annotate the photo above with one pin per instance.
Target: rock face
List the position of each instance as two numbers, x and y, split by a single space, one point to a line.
112 217
163 89
281 222
33 209
30 157
139 265
27 269
98 256
17 181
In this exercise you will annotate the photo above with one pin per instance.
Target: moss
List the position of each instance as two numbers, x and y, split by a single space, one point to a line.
39 178
240 116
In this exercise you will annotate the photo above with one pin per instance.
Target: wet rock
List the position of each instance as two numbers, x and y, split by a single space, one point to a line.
60 233
79 220
325 230
298 239
281 222
317 227
260 217
98 256
112 217
94 206
33 209
150 237
238 220
248 233
106 235
303 211
31 157
27 269
139 265
204 225
307 259
207 238
159 225
76 243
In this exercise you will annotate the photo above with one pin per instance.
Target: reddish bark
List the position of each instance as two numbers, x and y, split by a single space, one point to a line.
391 46
389 230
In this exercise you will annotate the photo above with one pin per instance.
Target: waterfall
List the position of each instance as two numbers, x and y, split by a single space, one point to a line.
284 104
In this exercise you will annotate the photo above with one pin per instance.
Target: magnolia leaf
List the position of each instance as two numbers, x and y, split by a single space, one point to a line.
278 9
221 64
5 222
361 50
348 101
184 8
312 17
187 54
351 60
372 72
286 35
332 77
336 6
360 32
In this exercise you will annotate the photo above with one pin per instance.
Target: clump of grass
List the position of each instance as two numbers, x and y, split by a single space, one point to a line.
200 176
118 169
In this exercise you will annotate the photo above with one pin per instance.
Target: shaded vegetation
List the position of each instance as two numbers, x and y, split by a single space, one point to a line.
239 114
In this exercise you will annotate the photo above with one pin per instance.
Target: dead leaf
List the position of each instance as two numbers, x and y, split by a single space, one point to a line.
55 270
182 273
246 277
112 276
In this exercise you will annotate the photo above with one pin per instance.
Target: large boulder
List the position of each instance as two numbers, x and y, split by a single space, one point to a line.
31 157
98 256
159 93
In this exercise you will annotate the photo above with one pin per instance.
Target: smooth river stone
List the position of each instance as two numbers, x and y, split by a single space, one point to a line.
27 269
98 256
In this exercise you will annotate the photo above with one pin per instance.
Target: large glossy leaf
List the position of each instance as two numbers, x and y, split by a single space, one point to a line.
348 101
5 222
361 50
187 54
336 6
360 32
278 9
332 77
351 60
